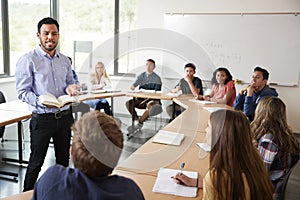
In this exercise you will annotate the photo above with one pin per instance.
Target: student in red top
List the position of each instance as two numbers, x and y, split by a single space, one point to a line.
223 89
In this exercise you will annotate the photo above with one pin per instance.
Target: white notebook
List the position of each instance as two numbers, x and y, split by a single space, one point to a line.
166 185
168 137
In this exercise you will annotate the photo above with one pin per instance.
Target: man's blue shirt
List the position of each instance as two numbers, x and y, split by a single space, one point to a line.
38 73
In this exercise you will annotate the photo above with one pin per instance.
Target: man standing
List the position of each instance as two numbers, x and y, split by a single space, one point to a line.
40 71
248 97
147 80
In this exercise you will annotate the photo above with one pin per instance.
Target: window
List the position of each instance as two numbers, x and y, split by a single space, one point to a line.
84 23
23 26
89 21
1 46
127 19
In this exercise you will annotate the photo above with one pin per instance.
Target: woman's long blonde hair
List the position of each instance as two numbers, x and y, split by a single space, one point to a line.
270 117
233 155
94 74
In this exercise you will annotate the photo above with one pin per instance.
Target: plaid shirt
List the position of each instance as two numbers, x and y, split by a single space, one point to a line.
269 153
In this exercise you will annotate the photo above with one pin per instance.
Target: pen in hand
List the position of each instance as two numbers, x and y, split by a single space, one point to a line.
181 168
179 181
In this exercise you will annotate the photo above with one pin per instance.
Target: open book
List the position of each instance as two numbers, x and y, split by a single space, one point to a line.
166 185
50 100
168 137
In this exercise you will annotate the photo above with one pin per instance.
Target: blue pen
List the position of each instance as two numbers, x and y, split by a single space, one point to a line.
181 168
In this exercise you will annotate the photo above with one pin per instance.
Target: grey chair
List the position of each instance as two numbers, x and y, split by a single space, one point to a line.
281 196
156 110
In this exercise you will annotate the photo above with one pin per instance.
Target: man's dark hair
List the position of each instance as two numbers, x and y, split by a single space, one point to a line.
151 60
47 20
191 65
264 72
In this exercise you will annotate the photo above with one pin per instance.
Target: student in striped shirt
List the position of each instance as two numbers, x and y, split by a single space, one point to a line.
277 145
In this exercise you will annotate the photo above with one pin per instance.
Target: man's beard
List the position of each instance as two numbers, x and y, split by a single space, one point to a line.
48 48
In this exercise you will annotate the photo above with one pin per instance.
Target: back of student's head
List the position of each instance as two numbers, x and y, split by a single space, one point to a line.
270 117
97 144
190 65
233 154
263 71
270 114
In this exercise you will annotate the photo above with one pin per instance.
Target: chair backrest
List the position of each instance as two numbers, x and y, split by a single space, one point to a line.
79 108
286 179
2 97
155 110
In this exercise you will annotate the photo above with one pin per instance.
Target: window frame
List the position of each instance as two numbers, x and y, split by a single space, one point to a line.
54 12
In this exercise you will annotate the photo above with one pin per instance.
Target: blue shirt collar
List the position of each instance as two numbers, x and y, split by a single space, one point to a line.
43 53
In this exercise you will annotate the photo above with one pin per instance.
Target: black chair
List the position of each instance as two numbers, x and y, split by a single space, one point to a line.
81 108
2 128
281 196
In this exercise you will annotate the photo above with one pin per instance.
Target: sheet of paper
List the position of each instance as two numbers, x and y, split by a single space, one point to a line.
168 137
166 185
97 91
212 109
202 101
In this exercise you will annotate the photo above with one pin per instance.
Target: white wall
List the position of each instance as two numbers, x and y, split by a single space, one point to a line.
151 15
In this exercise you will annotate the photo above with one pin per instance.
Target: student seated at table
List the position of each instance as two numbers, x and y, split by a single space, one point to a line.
223 89
248 98
147 80
96 148
236 170
99 80
277 145
188 85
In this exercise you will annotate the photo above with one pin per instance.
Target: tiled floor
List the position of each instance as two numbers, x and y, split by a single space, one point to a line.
9 149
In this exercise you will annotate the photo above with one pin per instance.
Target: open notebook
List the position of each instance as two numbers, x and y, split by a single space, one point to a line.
168 137
166 185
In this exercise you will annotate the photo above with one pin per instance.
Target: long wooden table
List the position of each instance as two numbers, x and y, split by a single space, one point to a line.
142 166
12 112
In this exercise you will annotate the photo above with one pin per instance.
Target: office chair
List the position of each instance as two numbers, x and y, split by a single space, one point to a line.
81 108
2 128
281 196
156 110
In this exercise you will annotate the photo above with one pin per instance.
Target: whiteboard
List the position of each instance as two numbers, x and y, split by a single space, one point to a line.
240 42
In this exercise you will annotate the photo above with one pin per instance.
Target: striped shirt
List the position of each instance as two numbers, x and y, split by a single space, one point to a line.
269 152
